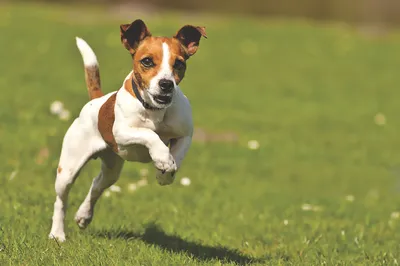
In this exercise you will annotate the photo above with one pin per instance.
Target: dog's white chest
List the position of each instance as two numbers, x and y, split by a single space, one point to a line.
140 153
171 123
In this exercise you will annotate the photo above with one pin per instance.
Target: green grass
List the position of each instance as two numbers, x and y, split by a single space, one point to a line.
307 92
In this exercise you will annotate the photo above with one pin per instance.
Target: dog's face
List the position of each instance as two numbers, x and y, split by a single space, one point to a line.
159 63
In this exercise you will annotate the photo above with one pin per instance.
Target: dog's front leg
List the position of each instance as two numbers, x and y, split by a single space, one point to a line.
179 148
159 152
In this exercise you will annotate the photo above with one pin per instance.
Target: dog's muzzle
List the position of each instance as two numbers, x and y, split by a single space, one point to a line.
163 99
166 91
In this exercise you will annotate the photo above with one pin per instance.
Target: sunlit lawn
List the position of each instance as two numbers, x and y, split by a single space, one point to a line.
321 100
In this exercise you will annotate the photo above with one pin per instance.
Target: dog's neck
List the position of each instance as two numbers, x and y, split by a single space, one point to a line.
140 98
130 85
128 100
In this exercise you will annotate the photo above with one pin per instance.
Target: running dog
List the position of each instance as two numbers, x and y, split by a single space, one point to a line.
147 119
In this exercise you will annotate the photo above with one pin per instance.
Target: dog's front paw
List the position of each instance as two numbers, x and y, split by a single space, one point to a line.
59 236
165 162
165 178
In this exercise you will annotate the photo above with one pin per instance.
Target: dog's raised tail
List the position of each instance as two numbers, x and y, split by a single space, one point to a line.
92 72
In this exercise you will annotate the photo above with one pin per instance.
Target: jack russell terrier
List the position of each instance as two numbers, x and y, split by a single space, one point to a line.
136 123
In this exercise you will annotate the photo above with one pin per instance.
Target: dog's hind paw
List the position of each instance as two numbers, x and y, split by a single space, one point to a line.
83 218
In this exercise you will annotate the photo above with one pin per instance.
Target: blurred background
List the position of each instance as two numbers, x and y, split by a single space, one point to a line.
355 11
296 151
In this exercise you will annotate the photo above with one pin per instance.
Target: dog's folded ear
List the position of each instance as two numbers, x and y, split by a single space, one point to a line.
189 36
132 34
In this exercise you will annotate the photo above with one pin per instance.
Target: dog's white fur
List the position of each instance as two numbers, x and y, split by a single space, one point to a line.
88 56
142 135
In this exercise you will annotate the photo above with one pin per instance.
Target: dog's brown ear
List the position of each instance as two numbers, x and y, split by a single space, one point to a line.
132 34
189 36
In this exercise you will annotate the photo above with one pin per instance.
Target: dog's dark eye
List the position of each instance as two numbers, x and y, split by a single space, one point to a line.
179 64
147 62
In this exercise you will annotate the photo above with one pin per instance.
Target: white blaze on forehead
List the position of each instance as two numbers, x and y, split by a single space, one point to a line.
165 60
164 72
165 69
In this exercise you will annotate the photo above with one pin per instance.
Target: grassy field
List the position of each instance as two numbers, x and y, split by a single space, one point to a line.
322 189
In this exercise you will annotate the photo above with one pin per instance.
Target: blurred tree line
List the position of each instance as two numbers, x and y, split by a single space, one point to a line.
365 11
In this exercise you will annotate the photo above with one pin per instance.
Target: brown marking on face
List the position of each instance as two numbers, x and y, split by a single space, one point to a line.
177 52
92 76
59 169
138 40
106 122
152 47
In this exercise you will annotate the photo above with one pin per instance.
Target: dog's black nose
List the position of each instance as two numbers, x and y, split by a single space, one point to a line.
166 85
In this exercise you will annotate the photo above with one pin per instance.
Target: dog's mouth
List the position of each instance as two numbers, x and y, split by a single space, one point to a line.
162 99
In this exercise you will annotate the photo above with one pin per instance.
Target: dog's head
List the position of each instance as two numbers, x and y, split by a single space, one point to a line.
159 63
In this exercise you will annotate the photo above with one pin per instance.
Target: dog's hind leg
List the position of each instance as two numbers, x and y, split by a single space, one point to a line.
110 171
77 149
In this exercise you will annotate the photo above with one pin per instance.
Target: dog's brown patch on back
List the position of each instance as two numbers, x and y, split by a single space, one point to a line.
106 122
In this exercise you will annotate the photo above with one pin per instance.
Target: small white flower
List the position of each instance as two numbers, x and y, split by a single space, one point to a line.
64 115
395 215
13 175
144 172
253 144
132 187
342 232
115 188
285 222
309 207
142 183
56 107
185 181
306 207
380 119
107 193
350 198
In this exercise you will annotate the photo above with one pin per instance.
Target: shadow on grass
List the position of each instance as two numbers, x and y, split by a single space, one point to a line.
153 235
